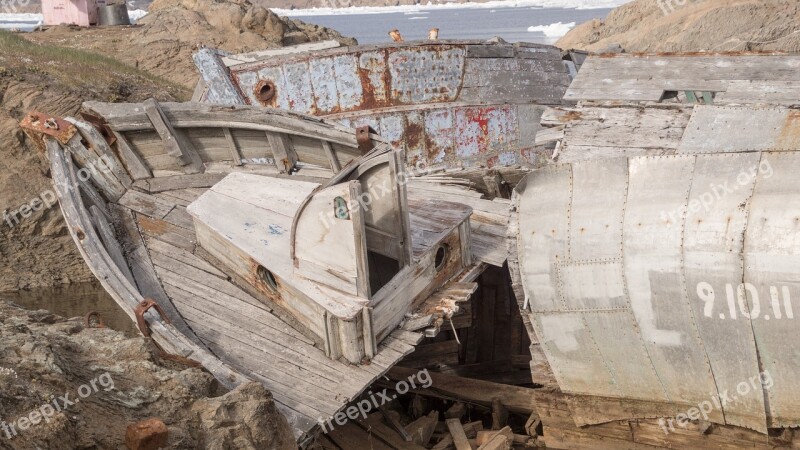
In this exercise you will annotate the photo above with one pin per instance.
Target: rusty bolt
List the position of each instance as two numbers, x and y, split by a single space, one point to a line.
149 434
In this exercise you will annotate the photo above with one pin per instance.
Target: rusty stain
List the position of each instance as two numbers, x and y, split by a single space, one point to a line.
789 136
153 226
570 116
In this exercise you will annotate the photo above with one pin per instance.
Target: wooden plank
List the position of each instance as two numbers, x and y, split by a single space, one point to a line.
459 437
283 152
174 147
374 423
125 294
237 158
331 154
133 161
110 242
350 436
146 204
200 180
98 144
359 228
94 167
516 399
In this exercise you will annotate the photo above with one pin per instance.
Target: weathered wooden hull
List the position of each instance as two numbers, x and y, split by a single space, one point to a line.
448 104
128 216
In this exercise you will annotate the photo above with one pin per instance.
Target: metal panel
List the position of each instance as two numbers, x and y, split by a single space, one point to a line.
653 255
623 351
544 207
713 239
443 68
348 82
772 281
484 130
374 65
326 96
735 129
592 285
573 354
598 203
297 86
439 139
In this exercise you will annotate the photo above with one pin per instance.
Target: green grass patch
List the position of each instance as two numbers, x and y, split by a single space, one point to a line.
76 67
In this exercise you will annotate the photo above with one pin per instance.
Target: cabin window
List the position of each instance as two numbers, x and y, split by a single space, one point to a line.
267 278
441 257
340 209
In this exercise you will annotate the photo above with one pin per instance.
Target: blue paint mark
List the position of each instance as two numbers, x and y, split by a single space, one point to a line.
276 230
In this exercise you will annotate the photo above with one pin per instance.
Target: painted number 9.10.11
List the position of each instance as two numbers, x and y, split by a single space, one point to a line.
745 296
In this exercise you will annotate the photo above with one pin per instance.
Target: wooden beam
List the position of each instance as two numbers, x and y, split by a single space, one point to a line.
282 151
459 437
517 399
174 147
133 161
237 158
332 158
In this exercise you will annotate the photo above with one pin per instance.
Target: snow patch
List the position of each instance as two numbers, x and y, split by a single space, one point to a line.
554 30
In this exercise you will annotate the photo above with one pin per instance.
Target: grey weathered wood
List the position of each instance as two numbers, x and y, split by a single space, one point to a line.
93 167
99 145
220 89
110 242
115 283
332 158
146 204
362 269
132 160
162 184
282 150
237 158
172 144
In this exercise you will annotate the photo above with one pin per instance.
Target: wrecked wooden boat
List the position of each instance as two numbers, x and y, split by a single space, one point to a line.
656 261
450 104
260 244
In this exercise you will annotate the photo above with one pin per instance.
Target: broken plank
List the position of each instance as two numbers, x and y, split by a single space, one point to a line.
172 183
459 437
146 204
131 159
173 146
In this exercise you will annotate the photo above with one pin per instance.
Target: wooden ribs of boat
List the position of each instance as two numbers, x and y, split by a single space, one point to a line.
150 193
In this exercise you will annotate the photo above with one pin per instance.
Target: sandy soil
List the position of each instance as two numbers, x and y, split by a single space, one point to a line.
693 25
98 382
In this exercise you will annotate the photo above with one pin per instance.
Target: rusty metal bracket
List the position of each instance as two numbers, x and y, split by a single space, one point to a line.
142 308
365 143
36 123
98 323
101 125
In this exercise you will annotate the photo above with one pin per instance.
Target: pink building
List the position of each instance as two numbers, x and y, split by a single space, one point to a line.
77 12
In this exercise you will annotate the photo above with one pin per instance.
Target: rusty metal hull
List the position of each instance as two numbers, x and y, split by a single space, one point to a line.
448 103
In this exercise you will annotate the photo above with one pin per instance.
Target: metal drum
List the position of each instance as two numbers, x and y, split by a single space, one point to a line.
113 15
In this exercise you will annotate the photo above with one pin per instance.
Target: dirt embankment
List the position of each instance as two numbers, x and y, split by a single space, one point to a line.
35 248
163 41
692 25
66 386
54 71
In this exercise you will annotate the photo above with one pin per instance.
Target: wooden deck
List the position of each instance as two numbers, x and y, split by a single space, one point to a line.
307 385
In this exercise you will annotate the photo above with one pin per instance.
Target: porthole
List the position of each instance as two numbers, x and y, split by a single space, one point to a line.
265 91
267 278
441 257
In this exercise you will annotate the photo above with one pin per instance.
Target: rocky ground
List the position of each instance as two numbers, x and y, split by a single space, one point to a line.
55 70
102 382
692 25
